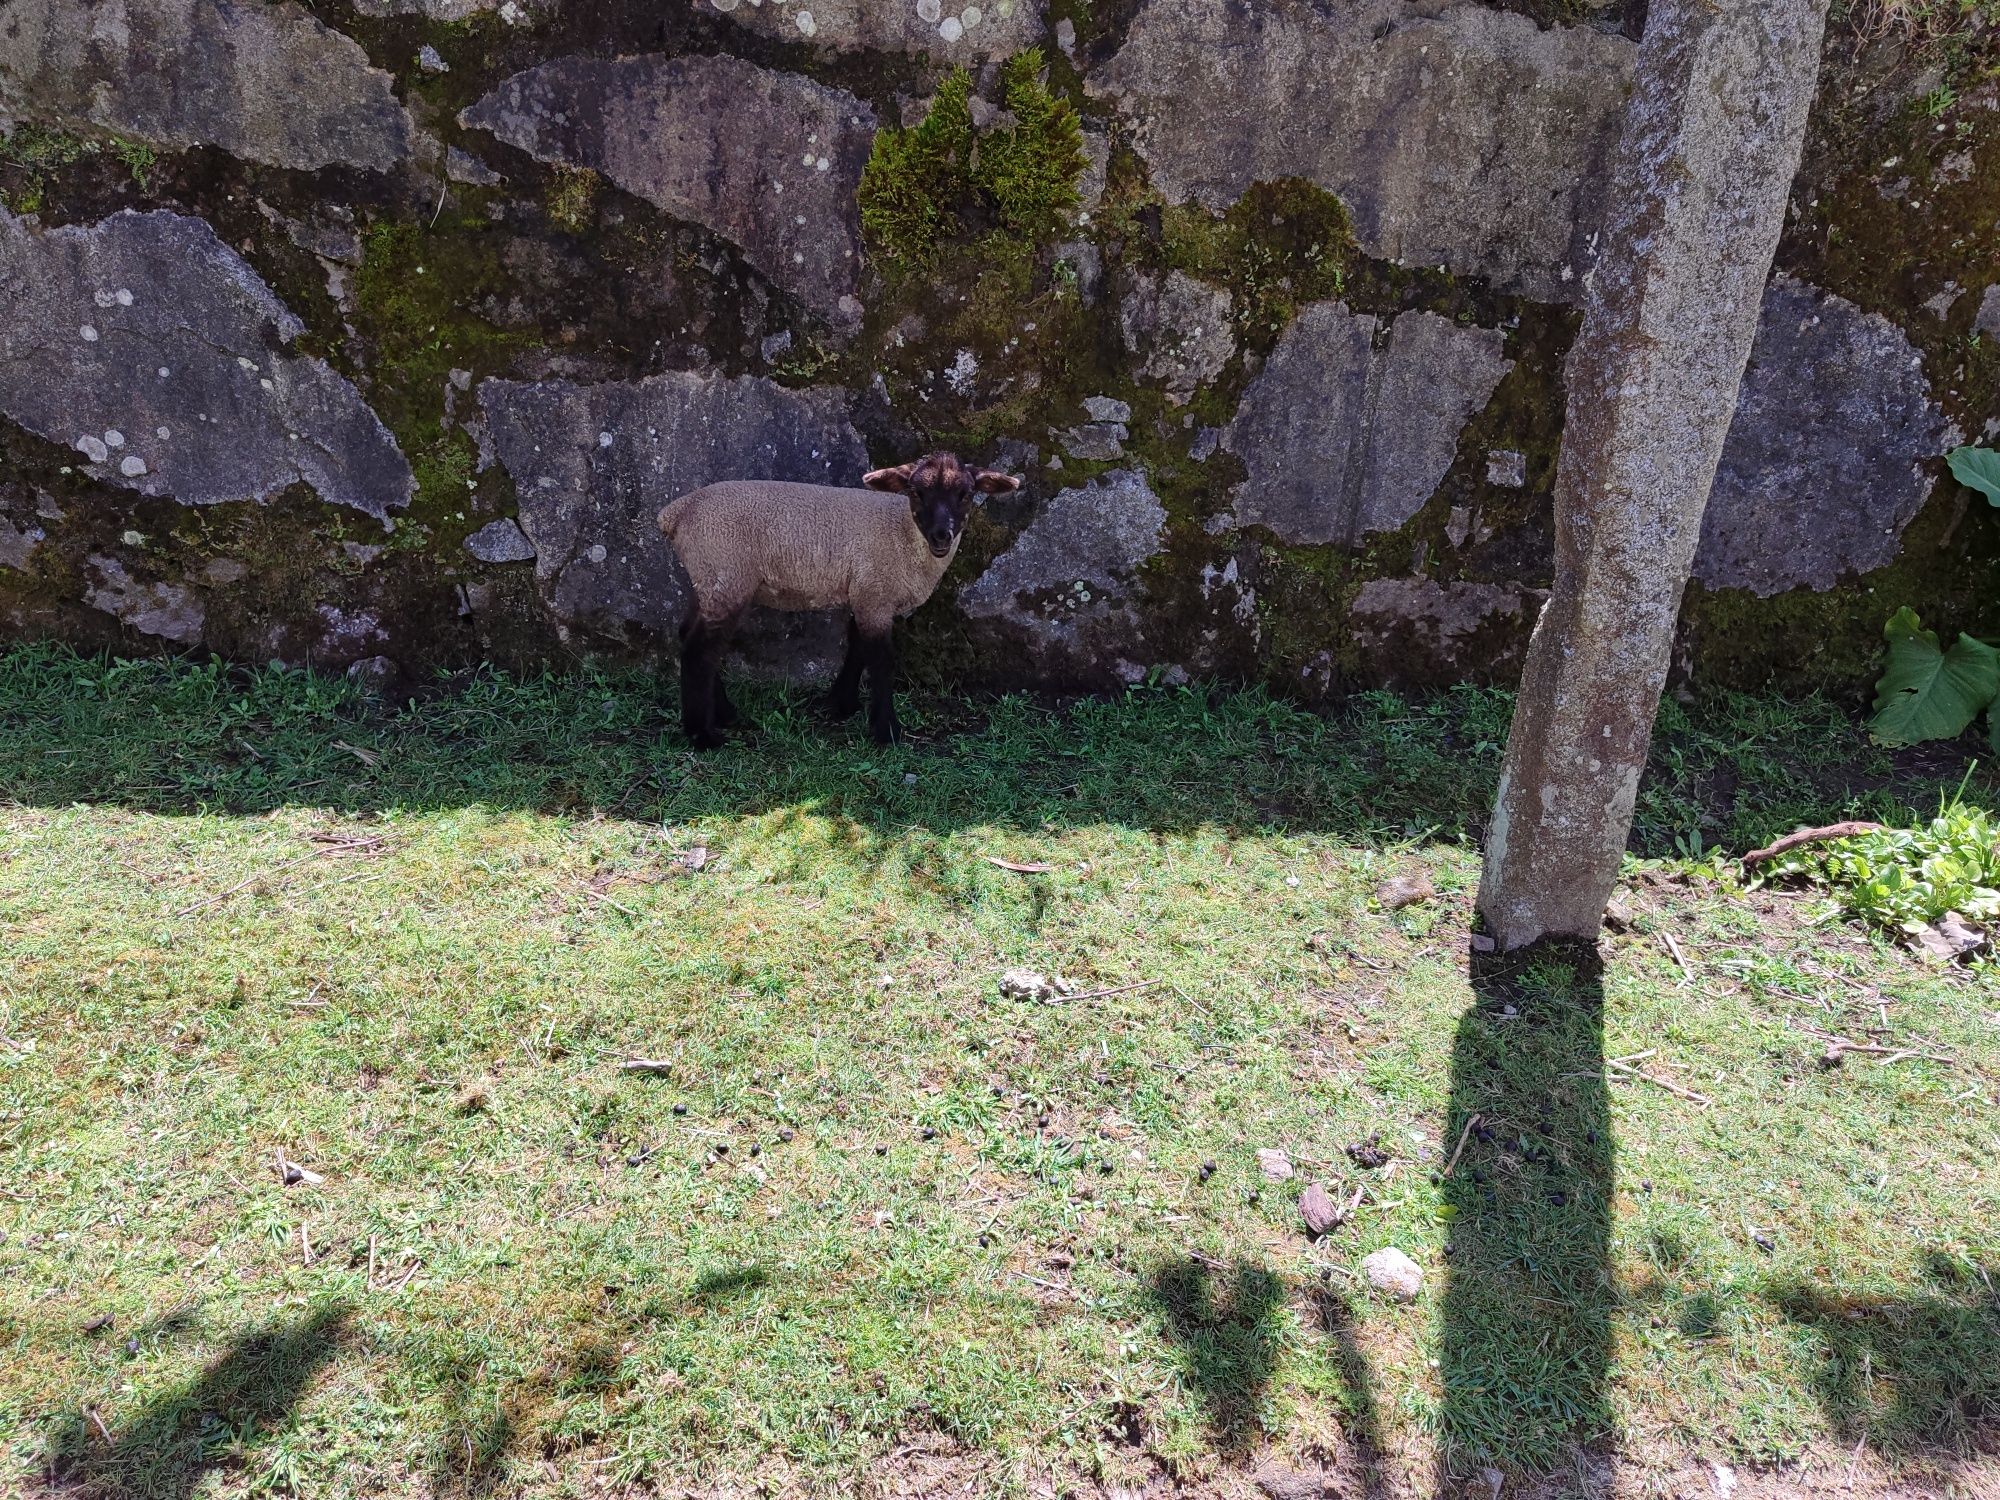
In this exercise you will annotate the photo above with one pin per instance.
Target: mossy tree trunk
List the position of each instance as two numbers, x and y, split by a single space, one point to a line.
1710 145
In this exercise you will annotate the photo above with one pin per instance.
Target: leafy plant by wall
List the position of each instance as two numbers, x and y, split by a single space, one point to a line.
1927 692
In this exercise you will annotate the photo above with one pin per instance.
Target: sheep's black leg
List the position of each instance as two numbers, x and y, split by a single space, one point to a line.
698 684
882 725
726 714
845 699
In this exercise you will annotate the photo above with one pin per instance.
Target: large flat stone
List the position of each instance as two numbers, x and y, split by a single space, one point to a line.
1066 583
949 30
1824 465
151 349
1457 134
1342 438
770 161
263 81
594 464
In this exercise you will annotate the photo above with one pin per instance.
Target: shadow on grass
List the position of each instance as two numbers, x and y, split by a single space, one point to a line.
1229 1331
1526 1339
1229 1327
179 1436
181 736
1907 1374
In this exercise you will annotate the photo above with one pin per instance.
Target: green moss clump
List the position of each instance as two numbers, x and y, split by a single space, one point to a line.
915 178
29 156
925 185
1032 169
572 197
1282 245
414 297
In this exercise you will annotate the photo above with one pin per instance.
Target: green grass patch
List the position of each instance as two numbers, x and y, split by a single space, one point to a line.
873 1220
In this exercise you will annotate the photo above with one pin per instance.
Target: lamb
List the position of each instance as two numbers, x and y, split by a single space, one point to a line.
877 552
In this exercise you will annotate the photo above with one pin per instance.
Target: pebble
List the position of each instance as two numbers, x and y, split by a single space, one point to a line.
1394 1274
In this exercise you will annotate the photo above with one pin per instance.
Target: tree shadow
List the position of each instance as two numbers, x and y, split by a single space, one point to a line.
1229 1326
1334 1317
1526 1340
179 1436
1907 1374
1229 1336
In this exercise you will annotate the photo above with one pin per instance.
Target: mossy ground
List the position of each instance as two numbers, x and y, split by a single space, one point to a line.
872 1215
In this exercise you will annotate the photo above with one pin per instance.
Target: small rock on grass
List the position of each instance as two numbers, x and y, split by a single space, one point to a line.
1275 1164
1950 937
1318 1210
1618 911
1394 1274
1399 891
1032 984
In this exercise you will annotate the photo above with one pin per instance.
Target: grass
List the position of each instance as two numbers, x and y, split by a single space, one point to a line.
875 1221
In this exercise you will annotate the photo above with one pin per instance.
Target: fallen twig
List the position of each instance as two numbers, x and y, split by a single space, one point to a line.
658 1066
1470 1122
1122 989
1792 841
1666 1083
614 905
1017 867
1674 948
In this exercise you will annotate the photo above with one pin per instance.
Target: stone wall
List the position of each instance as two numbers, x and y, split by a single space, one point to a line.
384 327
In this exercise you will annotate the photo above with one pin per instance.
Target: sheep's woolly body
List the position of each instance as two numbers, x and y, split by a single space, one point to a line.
802 546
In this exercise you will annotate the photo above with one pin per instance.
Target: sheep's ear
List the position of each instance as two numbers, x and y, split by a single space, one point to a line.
992 483
896 481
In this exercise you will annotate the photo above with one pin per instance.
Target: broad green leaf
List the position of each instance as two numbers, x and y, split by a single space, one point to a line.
1928 693
1977 469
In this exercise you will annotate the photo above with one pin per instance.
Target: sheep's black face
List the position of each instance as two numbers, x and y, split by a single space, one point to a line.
940 490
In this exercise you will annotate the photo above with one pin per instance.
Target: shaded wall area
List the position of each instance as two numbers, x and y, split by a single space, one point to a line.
384 329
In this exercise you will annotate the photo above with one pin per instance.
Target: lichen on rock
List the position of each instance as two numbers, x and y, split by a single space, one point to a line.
1340 438
1824 464
265 82
953 29
1182 330
167 610
155 352
593 466
1457 134
771 161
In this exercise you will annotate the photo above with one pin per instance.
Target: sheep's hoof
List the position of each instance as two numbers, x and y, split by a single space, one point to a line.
886 734
840 707
707 739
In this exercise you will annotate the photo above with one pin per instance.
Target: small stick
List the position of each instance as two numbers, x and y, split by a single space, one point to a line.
305 1246
1017 867
1632 1057
657 1065
247 880
1463 1135
614 905
1666 1083
371 1262
98 1422
1123 989
1680 958
1792 841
